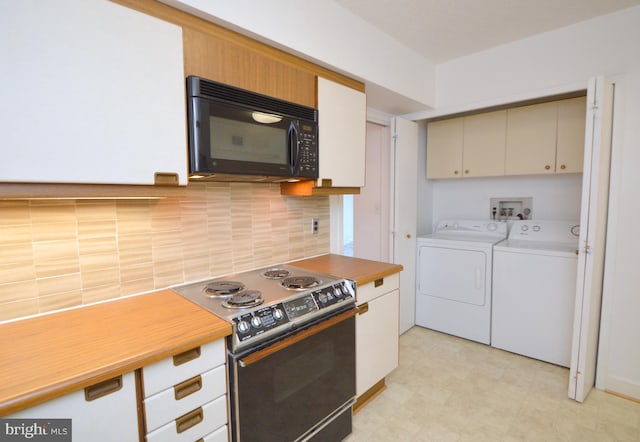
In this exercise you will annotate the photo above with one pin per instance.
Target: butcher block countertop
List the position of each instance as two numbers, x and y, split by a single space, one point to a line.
48 356
360 270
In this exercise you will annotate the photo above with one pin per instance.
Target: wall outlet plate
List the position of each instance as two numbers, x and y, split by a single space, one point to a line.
314 225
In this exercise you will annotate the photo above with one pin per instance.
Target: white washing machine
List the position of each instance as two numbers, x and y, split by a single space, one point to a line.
534 287
453 290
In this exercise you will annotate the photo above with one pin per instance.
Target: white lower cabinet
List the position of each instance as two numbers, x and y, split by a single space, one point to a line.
103 412
377 331
185 396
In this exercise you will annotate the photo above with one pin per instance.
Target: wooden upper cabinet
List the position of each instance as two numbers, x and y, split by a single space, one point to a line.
531 139
232 63
444 148
571 126
484 144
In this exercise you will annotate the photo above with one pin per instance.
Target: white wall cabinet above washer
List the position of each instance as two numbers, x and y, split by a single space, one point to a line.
90 92
471 146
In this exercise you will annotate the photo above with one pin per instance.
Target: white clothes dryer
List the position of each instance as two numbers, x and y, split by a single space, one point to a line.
453 287
534 287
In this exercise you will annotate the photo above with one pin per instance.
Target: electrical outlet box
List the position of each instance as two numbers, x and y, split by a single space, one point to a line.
314 225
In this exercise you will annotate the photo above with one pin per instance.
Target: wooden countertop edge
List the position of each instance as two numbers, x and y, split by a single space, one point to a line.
77 382
373 276
70 381
363 271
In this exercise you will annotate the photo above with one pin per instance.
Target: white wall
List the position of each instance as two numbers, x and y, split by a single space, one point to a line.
554 197
564 60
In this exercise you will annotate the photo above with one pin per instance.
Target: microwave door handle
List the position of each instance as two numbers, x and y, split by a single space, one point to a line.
294 147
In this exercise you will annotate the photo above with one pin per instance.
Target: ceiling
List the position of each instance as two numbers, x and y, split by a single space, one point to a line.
442 30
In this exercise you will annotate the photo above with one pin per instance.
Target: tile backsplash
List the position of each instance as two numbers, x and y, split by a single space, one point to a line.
56 254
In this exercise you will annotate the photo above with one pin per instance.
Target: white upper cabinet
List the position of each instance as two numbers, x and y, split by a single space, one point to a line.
445 140
484 144
90 92
472 146
571 126
342 119
531 139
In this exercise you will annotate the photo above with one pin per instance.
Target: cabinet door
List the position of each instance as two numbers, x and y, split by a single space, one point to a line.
95 94
531 139
107 418
231 62
377 341
571 125
444 148
484 144
342 117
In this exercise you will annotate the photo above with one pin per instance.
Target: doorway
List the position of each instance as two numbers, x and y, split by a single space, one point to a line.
366 217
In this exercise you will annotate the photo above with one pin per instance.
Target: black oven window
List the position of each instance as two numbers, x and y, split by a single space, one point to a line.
296 374
285 394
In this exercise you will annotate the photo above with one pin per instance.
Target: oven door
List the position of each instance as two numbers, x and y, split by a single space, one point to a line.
298 388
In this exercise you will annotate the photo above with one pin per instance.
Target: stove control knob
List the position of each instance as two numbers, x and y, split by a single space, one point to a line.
322 297
256 322
277 314
243 326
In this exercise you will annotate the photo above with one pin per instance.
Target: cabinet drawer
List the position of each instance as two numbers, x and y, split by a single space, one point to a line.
220 435
173 370
193 425
164 407
379 287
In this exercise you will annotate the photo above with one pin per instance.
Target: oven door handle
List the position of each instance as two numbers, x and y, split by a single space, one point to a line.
287 342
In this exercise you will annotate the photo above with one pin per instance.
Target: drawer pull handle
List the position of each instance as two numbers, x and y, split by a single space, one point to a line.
186 356
191 419
187 387
379 282
364 308
102 388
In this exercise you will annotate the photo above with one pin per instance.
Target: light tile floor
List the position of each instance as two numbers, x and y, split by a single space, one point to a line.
450 389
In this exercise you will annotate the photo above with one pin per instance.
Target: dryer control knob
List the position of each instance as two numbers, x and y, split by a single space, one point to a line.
524 227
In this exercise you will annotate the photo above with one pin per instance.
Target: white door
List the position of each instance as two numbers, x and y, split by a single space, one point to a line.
405 199
593 227
371 208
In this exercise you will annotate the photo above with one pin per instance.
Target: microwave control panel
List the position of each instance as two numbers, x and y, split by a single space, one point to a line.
307 161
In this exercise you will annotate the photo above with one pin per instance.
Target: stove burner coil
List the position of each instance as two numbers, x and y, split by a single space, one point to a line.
219 289
275 273
244 299
300 282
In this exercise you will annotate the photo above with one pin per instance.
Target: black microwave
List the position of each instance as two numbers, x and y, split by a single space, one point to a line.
238 135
